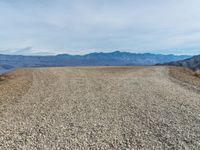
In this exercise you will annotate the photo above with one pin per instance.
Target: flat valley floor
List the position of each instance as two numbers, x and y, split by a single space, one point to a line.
99 108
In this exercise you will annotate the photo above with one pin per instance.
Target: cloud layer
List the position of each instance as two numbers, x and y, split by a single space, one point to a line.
78 27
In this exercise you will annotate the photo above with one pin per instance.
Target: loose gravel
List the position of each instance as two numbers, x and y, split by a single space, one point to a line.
98 108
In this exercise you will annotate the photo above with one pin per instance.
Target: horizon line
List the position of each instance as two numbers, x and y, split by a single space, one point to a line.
97 52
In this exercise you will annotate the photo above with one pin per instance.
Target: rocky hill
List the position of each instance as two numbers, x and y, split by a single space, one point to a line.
192 63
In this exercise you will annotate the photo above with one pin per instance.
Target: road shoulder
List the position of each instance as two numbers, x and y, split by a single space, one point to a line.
14 85
185 78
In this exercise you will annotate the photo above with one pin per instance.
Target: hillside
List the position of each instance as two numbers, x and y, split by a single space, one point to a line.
192 63
116 58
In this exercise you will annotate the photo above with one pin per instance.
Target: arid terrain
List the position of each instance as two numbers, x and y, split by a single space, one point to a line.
100 108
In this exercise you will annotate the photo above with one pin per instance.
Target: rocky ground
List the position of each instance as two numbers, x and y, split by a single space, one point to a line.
100 108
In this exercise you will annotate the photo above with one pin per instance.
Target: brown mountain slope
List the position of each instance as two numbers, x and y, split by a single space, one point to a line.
192 63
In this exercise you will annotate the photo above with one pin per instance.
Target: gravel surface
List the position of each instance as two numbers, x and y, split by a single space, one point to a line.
98 108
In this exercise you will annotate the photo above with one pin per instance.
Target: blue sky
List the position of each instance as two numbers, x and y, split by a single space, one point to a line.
44 27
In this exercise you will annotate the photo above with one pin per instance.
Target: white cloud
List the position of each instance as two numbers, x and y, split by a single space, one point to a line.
77 26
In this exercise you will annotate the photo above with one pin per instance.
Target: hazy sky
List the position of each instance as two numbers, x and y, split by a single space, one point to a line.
42 27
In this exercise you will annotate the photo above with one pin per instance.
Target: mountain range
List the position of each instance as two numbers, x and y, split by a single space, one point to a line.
116 58
192 63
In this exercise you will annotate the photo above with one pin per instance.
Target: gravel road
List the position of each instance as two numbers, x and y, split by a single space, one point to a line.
98 108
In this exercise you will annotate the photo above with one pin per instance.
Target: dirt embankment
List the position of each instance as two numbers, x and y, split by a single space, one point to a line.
14 84
185 77
197 73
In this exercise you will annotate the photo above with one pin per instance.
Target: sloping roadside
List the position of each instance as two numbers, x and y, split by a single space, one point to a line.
184 77
13 85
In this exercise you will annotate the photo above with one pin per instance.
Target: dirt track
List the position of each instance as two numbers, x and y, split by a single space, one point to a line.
99 108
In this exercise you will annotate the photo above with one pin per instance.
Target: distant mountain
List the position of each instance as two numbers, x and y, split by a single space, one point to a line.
116 58
192 63
125 58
